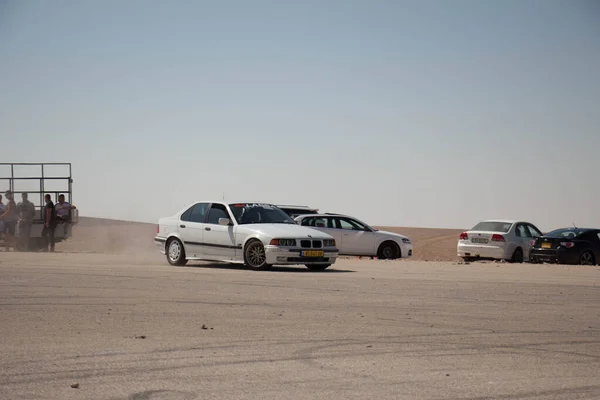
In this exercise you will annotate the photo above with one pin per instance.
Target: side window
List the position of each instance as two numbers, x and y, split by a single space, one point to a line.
331 223
345 223
534 231
591 236
320 222
307 221
199 212
216 211
186 215
521 231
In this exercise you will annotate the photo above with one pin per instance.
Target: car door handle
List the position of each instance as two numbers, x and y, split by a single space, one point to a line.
207 229
182 226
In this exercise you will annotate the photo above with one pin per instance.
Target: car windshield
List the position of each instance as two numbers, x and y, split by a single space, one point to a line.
259 213
566 233
492 226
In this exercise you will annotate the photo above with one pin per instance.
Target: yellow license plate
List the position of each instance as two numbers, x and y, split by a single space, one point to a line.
313 253
546 245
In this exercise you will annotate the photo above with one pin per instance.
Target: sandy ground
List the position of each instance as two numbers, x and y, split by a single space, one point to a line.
107 314
134 327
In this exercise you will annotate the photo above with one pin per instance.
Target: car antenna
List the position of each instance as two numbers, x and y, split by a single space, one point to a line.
574 225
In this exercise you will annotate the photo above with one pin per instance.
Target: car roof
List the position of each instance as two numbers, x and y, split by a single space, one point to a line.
325 215
573 228
504 221
296 207
231 202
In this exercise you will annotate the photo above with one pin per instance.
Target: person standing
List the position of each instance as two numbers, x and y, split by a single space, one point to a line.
10 218
2 208
26 214
49 224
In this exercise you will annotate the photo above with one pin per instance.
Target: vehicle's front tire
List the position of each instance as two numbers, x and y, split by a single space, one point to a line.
317 267
175 252
255 256
587 258
517 256
388 251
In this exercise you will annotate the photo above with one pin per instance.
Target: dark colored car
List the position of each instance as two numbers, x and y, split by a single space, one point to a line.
567 246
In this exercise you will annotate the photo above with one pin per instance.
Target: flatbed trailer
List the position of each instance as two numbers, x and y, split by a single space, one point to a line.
37 180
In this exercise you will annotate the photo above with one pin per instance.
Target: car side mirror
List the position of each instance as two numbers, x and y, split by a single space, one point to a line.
224 221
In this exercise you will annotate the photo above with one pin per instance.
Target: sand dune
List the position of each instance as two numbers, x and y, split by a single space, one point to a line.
113 236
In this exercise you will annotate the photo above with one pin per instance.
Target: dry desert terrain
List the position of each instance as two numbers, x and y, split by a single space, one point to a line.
106 317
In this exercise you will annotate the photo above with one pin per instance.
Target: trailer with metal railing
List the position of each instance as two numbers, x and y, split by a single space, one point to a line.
37 180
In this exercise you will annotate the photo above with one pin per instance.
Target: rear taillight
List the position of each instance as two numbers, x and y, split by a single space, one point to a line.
568 245
497 238
464 236
157 228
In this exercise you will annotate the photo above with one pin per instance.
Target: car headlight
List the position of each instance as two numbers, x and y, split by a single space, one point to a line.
329 243
406 240
283 242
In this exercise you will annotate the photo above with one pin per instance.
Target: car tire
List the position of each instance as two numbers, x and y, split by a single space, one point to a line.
388 251
255 257
517 256
317 267
587 258
175 252
468 259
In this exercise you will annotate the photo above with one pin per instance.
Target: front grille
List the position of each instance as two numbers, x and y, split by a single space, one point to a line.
311 244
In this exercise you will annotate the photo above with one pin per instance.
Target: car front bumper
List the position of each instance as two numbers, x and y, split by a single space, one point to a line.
293 256
407 250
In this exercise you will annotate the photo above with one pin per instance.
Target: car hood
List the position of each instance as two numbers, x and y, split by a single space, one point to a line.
395 235
283 231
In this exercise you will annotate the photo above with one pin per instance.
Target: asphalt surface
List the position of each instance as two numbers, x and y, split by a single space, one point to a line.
136 328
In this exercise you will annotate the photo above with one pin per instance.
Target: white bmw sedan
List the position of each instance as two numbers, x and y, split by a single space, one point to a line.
498 240
258 235
355 238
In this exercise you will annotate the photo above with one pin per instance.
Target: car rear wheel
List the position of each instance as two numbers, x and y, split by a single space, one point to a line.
388 251
255 256
517 256
175 252
587 258
317 267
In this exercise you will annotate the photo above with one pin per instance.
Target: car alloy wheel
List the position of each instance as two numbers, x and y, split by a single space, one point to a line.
586 258
388 251
255 255
174 250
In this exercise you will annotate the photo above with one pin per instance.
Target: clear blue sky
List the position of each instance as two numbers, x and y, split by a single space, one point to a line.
420 113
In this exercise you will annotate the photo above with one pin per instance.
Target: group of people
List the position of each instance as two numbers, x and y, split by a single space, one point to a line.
19 218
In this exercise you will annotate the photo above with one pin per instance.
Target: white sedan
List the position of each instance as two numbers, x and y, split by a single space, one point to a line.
258 235
498 239
355 238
